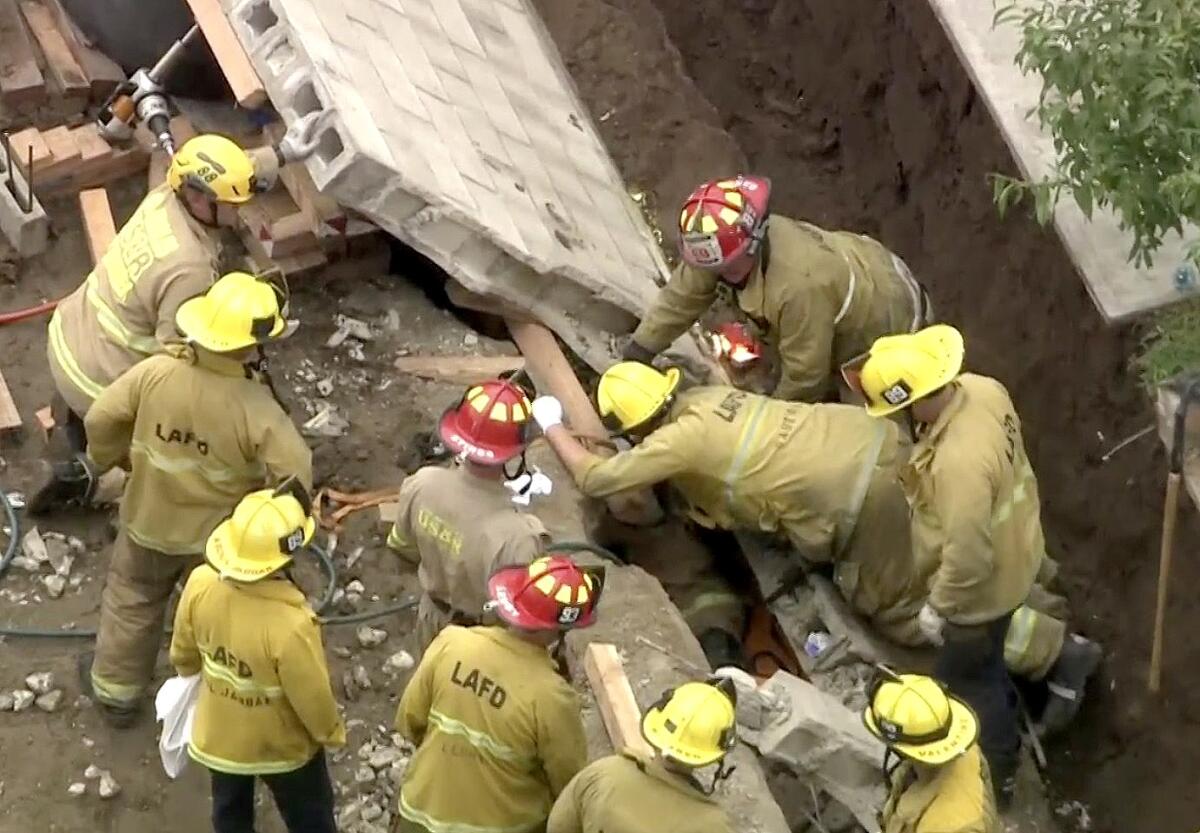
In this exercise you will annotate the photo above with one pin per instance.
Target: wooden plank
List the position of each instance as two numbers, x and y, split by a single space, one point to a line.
553 374
614 697
92 146
9 417
243 80
45 421
103 74
61 65
98 223
122 164
21 82
65 156
463 370
21 143
320 209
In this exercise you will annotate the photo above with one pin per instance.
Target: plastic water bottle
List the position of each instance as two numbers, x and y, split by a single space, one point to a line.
817 643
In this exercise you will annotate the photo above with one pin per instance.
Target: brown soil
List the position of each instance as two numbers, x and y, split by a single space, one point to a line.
864 119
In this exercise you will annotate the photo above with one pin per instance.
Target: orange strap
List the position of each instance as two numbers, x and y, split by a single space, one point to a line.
347 504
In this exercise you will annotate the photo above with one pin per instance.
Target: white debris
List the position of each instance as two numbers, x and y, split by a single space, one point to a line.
325 386
470 340
391 321
366 750
87 742
364 775
357 552
22 699
58 552
355 327
371 811
327 423
27 564
50 701
77 789
76 545
6 702
398 662
361 678
348 814
92 772
108 785
34 546
370 637
40 683
56 585
342 651
383 758
355 587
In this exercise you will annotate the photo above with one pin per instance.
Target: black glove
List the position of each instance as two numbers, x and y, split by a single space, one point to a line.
631 351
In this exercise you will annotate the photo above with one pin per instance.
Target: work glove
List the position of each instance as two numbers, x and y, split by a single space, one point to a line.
547 412
300 140
930 622
631 351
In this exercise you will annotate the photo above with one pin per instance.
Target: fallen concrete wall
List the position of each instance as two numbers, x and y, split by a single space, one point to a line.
453 125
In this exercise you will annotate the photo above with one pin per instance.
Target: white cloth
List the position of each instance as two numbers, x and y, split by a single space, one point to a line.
175 708
930 623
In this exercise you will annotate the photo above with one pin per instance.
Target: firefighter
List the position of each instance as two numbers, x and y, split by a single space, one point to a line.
460 523
690 727
198 429
819 297
498 732
941 784
266 708
125 310
824 476
977 534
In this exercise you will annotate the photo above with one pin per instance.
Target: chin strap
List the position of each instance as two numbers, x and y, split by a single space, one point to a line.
722 774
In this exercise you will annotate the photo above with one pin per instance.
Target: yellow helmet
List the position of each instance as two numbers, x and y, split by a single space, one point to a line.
915 716
695 724
238 311
901 369
215 166
265 530
631 394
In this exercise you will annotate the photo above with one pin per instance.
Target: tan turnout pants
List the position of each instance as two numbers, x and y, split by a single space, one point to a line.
132 610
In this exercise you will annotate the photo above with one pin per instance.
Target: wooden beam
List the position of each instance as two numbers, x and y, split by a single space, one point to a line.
97 172
21 143
45 421
239 72
553 374
92 146
21 82
9 417
320 209
463 370
98 224
614 697
64 70
65 156
103 74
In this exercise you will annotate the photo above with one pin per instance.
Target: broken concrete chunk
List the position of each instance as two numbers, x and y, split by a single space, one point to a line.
40 682
108 785
27 564
756 707
6 702
341 651
349 814
361 678
50 701
58 553
92 772
398 662
56 585
22 699
382 758
327 423
364 775
370 637
77 789
34 547
371 811
325 386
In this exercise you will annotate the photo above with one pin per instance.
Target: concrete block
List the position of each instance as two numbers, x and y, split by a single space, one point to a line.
457 26
822 740
27 233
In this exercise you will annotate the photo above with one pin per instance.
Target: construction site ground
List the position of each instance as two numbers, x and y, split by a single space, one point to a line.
864 119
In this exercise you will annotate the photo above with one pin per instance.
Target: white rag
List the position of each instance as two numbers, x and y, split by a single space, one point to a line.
175 708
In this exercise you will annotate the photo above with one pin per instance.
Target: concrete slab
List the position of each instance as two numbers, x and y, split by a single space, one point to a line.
28 233
1097 247
454 125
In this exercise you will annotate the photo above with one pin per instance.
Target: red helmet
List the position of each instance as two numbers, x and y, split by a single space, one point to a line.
552 593
489 424
723 221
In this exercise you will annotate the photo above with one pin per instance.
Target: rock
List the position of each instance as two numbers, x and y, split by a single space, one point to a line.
370 637
354 327
396 773
50 701
40 683
341 651
6 702
92 772
77 789
364 775
383 758
371 811
108 785
34 547
56 585
349 814
327 423
470 340
398 662
27 564
355 588
366 750
361 678
76 545
22 699
349 689
325 386
58 553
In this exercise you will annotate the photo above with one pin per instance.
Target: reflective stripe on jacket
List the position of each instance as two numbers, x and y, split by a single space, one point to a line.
266 704
125 309
976 513
826 297
499 734
199 432
747 461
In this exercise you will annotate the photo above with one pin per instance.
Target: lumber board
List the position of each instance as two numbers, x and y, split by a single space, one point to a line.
101 171
103 74
9 417
98 223
21 143
290 265
614 697
61 65
274 218
45 421
247 87
21 81
65 156
553 373
463 370
92 146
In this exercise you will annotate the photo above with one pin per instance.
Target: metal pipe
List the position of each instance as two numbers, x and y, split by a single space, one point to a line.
172 54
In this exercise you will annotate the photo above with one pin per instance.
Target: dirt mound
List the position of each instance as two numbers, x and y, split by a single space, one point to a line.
864 118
